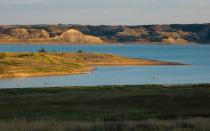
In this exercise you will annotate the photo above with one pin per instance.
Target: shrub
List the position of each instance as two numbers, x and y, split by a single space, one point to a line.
80 51
42 50
2 55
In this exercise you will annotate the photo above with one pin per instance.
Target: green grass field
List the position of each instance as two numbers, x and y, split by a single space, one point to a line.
126 108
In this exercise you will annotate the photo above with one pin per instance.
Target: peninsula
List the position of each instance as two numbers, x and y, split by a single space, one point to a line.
43 63
91 34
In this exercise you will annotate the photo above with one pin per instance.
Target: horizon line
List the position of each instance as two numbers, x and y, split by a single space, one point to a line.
64 24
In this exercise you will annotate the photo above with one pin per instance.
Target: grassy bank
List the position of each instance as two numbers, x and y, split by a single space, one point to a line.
149 107
40 64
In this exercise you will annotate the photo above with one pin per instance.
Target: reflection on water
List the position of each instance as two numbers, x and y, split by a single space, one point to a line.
197 55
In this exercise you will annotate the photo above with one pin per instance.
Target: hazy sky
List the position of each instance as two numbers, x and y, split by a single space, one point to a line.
115 12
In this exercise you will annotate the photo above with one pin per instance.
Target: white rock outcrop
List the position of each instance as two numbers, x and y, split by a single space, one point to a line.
75 36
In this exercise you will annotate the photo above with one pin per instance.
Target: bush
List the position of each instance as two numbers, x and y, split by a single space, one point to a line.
2 55
42 50
80 51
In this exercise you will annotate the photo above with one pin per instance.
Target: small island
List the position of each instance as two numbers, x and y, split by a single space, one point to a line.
46 64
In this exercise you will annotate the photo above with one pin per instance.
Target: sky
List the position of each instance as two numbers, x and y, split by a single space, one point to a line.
104 12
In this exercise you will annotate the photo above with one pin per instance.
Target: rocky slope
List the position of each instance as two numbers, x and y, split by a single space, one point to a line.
41 35
172 34
75 36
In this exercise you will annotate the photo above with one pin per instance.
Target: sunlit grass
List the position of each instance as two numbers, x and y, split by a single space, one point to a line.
53 63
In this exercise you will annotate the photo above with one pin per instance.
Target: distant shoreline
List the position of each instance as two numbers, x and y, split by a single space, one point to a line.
69 43
97 34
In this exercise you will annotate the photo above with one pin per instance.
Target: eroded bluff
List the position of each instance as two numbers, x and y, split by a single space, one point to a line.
170 34
41 35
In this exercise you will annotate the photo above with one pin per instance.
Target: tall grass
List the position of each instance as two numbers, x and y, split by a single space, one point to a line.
106 108
190 124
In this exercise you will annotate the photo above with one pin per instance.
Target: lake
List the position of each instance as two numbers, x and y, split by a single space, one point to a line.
197 56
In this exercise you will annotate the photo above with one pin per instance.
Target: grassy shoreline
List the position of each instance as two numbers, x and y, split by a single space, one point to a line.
112 98
45 64
118 107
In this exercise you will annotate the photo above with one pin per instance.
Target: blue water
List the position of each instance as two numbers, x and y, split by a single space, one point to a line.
198 56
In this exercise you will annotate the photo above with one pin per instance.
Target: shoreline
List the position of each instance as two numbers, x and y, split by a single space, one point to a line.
2 42
8 42
53 64
84 70
109 87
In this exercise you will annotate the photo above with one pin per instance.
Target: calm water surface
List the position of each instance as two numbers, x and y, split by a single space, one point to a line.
196 55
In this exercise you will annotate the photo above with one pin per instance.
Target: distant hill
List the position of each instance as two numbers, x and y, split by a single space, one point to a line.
170 34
